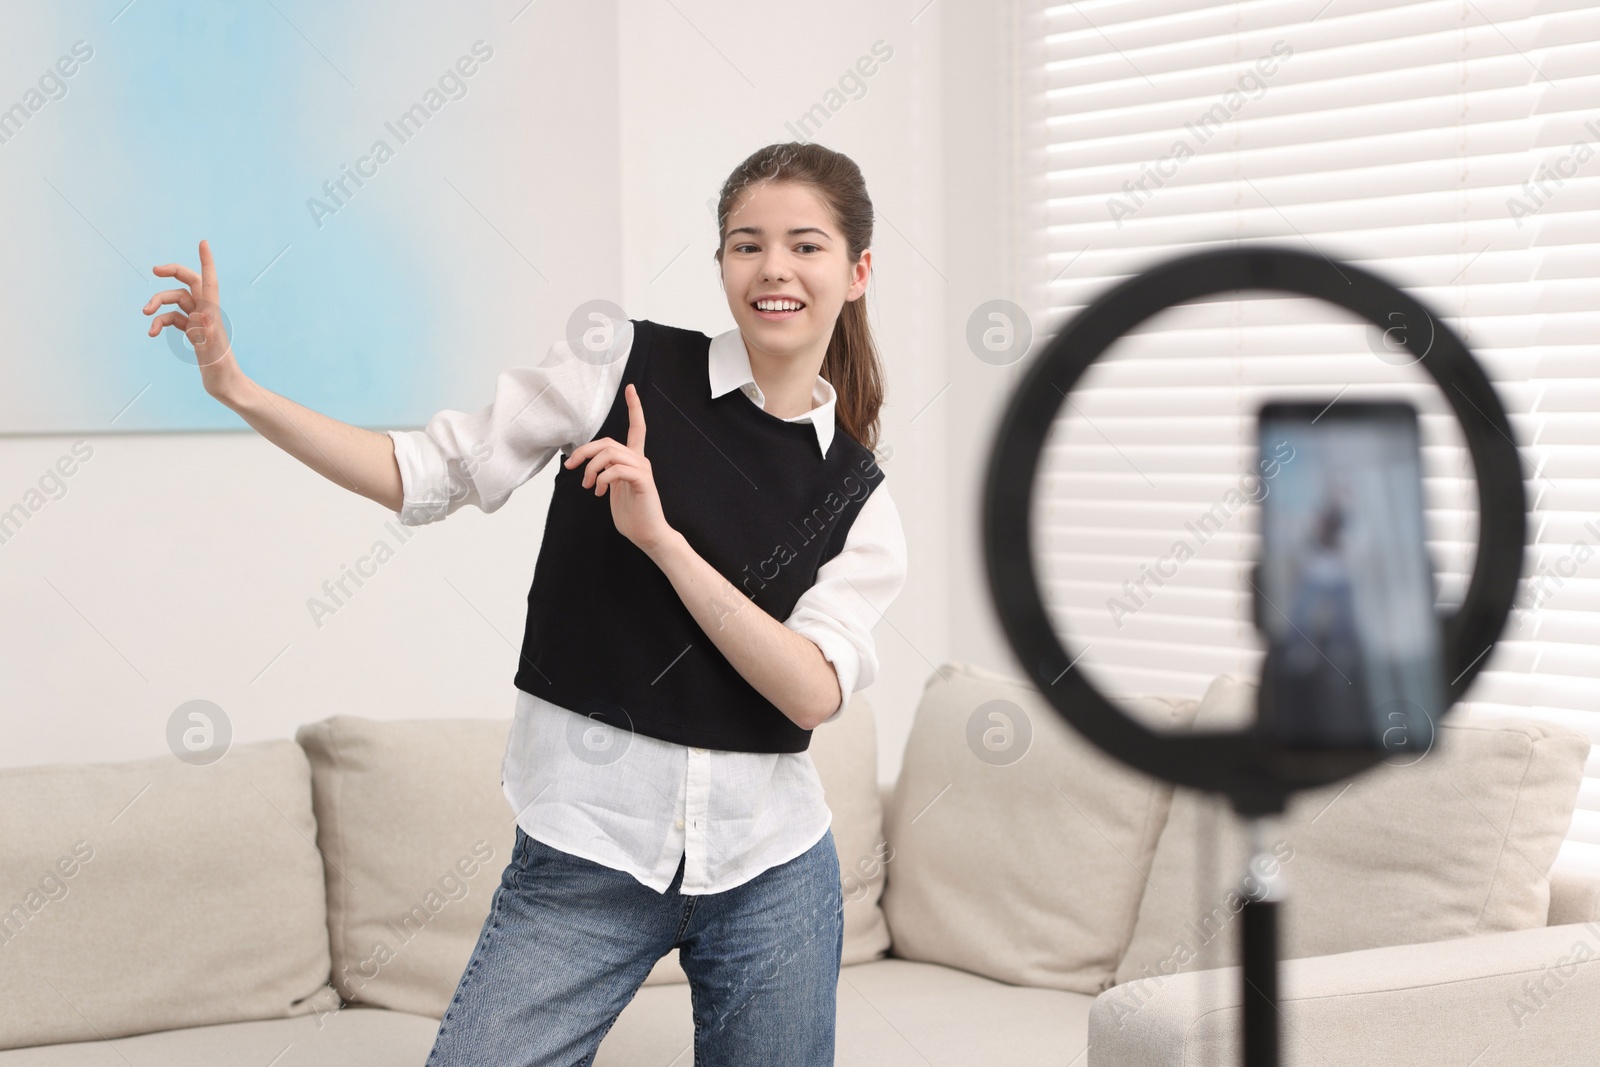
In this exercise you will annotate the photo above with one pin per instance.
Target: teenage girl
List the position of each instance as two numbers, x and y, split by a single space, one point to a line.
700 604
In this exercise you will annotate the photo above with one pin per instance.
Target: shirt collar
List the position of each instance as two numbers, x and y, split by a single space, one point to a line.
728 365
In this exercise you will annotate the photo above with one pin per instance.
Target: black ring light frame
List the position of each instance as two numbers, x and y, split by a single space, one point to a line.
1257 776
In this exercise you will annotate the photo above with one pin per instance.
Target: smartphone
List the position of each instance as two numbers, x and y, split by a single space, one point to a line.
1345 588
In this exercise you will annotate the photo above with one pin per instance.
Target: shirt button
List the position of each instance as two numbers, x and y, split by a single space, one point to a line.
698 751
680 824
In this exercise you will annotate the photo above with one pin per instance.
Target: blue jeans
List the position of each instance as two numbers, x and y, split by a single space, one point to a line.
568 942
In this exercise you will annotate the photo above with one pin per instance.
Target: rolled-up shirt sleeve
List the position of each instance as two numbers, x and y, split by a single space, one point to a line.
851 593
478 458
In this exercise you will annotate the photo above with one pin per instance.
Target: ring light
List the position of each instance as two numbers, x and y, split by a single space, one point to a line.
1242 764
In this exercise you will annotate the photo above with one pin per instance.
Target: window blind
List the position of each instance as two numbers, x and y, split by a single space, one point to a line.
1448 146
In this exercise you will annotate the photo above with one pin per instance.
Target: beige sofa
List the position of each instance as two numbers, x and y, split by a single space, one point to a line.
1015 898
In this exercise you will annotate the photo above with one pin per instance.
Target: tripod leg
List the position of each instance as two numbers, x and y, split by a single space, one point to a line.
1259 954
1263 889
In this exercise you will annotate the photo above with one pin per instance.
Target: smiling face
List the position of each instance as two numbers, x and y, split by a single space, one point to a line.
787 269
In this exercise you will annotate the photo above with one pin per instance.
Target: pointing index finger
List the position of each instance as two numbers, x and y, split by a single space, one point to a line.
635 421
208 273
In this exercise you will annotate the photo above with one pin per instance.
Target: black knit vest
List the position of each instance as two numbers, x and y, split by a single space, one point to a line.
607 636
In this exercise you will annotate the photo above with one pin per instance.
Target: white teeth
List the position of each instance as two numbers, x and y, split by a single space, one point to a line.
779 305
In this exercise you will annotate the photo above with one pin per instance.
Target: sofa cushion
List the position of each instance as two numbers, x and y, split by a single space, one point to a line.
1513 999
405 908
1454 843
1018 849
1574 893
845 753
155 893
338 1037
416 833
891 1013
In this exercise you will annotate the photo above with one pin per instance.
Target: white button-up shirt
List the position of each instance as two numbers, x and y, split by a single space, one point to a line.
632 802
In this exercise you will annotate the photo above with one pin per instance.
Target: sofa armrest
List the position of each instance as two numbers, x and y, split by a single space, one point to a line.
1574 895
1523 997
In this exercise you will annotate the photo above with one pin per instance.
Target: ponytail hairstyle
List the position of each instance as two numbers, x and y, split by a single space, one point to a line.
851 364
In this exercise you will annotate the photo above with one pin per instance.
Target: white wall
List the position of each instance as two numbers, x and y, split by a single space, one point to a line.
177 566
982 120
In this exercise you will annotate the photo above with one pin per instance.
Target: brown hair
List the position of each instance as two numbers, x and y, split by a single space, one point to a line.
851 364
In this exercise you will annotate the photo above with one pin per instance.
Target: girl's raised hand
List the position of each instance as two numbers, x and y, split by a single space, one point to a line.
635 505
200 318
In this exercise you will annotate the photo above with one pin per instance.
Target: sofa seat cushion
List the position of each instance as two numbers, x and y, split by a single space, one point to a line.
891 1013
1455 843
154 893
372 1037
1018 850
1523 998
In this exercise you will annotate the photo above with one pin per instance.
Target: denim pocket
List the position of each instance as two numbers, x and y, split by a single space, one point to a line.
519 859
520 854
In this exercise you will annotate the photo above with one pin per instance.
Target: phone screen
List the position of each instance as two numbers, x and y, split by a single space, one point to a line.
1345 588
